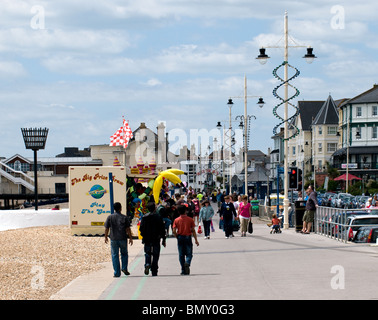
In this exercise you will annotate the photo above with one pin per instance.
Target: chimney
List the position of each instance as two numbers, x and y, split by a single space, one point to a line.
162 143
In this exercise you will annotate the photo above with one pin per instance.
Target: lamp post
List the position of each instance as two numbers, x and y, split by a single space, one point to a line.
35 139
230 140
262 57
246 119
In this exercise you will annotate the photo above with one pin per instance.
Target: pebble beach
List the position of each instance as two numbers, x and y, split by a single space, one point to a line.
37 262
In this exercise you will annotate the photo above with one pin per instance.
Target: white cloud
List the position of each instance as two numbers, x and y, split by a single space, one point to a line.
153 82
42 43
11 69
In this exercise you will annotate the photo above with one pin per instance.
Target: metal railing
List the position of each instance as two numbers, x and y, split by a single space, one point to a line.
17 177
333 222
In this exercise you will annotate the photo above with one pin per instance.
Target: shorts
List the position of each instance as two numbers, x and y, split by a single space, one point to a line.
309 216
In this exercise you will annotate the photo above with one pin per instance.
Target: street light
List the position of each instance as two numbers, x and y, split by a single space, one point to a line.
35 139
262 57
246 120
309 56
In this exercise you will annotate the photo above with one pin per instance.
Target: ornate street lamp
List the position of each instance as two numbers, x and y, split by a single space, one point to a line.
285 82
35 139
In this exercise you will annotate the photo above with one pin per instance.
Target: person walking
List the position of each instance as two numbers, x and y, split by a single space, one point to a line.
183 230
197 209
119 227
152 229
227 212
205 215
311 205
244 214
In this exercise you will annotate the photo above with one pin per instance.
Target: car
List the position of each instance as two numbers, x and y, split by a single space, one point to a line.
332 200
340 198
347 202
320 197
326 199
339 219
366 235
362 201
354 223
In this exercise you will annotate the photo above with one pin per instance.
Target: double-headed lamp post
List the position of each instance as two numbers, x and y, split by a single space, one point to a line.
262 57
35 139
246 117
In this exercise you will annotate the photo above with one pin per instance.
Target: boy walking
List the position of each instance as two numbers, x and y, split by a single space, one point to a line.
119 227
183 229
227 212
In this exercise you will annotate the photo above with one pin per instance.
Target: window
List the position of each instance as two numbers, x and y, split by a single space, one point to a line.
374 134
60 188
293 151
374 111
358 136
320 147
358 112
17 165
331 147
332 131
320 130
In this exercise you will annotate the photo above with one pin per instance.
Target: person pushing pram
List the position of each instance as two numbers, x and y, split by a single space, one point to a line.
275 224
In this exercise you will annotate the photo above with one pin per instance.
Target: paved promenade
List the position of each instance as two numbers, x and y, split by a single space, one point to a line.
260 266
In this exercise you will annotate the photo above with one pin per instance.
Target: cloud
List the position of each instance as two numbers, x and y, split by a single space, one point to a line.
11 69
153 82
46 43
184 58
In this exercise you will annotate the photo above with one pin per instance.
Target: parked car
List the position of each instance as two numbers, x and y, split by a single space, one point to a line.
326 200
339 220
340 198
362 201
320 197
366 235
348 202
354 223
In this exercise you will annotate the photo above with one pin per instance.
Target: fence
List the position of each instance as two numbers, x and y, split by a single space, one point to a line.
335 222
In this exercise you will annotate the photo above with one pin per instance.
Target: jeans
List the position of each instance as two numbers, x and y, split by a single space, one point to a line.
185 249
117 246
151 254
206 227
167 223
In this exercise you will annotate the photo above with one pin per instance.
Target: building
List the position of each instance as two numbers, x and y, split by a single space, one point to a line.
324 131
358 132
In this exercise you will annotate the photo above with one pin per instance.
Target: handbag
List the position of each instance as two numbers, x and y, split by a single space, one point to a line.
250 227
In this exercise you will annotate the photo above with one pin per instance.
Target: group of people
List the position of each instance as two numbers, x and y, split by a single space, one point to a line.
181 215
153 232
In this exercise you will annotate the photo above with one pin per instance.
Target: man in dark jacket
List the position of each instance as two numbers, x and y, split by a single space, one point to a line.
152 230
227 210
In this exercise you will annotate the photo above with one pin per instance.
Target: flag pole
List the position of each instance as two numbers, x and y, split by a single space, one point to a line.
111 193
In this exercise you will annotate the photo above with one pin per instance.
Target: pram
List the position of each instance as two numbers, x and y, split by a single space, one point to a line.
275 228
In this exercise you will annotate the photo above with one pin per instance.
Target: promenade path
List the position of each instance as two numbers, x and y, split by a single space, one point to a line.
265 266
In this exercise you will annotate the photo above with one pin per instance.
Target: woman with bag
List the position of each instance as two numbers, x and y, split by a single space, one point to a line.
245 215
205 216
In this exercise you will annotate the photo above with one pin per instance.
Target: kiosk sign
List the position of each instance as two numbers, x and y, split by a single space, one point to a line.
90 197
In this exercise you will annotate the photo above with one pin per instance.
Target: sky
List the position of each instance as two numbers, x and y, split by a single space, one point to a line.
78 66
